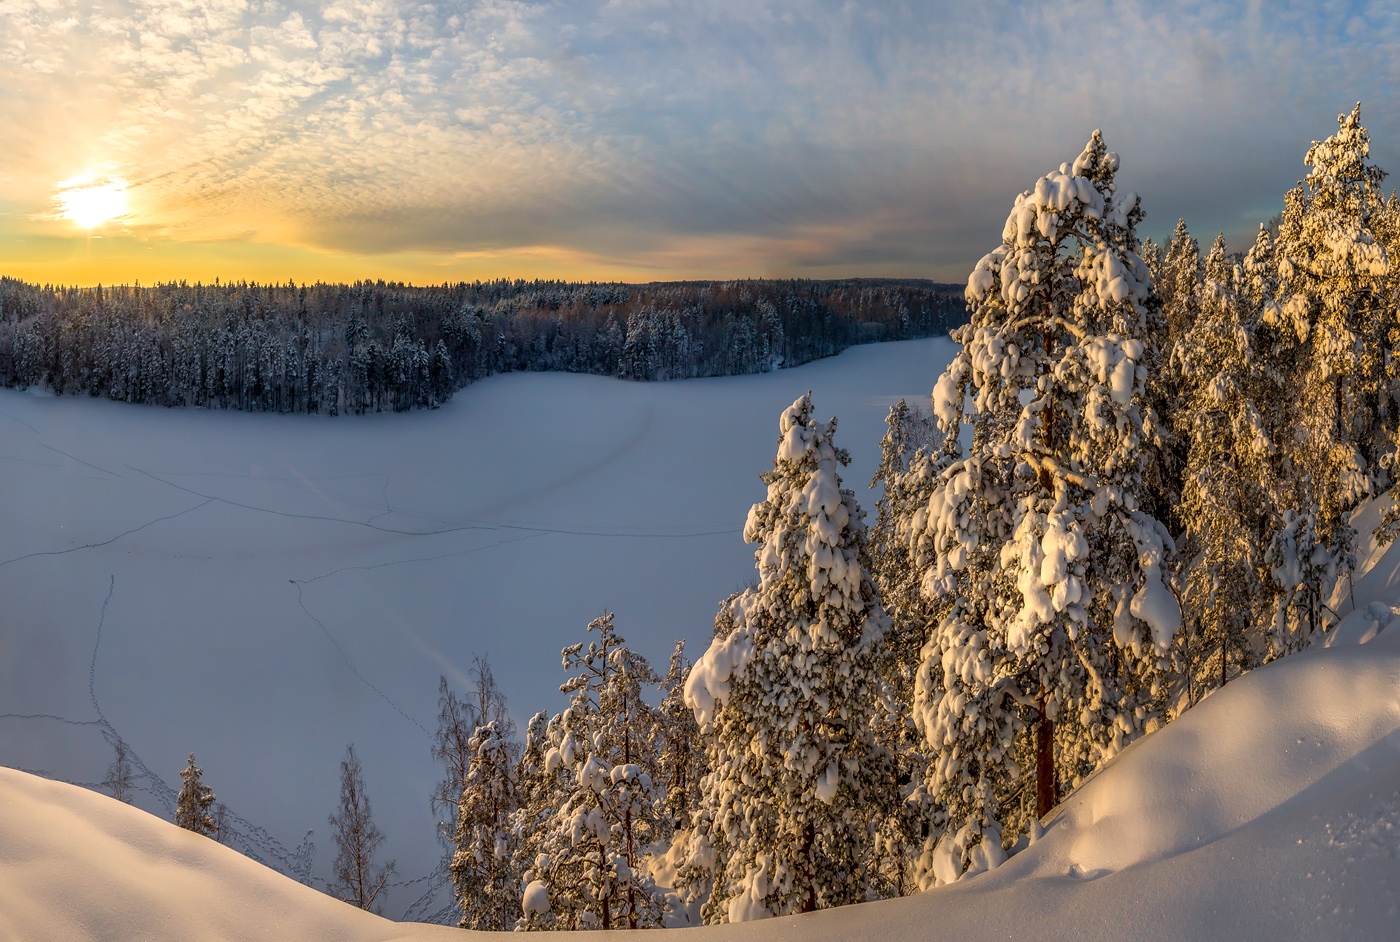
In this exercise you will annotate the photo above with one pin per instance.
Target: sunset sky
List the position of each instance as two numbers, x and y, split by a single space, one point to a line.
640 139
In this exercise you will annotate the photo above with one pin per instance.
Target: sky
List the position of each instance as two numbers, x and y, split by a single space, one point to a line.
641 140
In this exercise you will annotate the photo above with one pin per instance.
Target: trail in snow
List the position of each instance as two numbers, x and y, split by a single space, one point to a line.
109 542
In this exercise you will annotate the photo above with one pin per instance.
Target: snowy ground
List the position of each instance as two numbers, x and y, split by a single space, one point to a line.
269 588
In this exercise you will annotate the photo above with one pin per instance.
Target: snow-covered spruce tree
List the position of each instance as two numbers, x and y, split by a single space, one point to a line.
911 455
1228 422
357 880
1179 284
194 805
786 694
589 857
484 868
1054 620
539 792
1332 291
680 754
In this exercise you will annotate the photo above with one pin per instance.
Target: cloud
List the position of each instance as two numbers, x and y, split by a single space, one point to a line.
807 137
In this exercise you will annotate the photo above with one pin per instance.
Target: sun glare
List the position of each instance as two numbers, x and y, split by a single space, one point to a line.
90 203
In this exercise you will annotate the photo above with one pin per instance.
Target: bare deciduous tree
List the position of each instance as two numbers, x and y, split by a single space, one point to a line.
458 720
357 881
119 774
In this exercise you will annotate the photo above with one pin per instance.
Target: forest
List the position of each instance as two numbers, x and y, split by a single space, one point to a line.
1138 479
376 346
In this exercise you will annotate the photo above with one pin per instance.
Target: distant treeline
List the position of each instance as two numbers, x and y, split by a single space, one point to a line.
376 346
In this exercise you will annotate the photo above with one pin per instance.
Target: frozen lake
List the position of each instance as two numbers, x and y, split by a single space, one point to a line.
281 586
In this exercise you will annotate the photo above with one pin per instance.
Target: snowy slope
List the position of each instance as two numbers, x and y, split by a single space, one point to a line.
499 524
1270 811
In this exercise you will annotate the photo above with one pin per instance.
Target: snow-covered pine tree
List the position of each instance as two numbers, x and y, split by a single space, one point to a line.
357 880
1054 619
1337 327
1228 422
194 804
1333 293
539 792
786 694
484 868
911 455
589 854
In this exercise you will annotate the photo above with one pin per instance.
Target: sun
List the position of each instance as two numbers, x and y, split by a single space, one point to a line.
90 202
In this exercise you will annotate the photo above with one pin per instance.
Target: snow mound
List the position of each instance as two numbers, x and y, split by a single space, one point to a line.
77 865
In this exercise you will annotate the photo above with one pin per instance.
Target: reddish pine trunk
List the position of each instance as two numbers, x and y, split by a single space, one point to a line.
1047 793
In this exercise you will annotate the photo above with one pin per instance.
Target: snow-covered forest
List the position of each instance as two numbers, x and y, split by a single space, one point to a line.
1147 473
374 346
1166 451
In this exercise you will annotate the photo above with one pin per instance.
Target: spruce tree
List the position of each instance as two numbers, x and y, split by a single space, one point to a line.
1054 621
484 867
195 802
786 694
357 880
1229 424
680 754
589 854
911 455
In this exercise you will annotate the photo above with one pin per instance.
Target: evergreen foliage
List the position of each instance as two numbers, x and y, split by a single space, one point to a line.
786 694
589 854
195 801
485 868
1228 421
1053 623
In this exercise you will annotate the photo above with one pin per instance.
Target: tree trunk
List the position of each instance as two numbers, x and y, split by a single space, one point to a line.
1047 793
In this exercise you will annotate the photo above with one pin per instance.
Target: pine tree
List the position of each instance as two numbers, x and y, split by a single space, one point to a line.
193 804
484 866
786 694
1228 422
357 880
1054 621
1331 291
1336 331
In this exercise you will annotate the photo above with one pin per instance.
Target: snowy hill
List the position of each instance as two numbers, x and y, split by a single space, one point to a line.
1269 811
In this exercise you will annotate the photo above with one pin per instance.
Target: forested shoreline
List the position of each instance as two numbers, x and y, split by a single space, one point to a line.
383 346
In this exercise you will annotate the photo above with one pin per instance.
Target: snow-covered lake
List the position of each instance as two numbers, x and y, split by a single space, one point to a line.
281 586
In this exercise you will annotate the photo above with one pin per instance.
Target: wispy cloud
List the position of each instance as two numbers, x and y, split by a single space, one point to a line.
670 137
